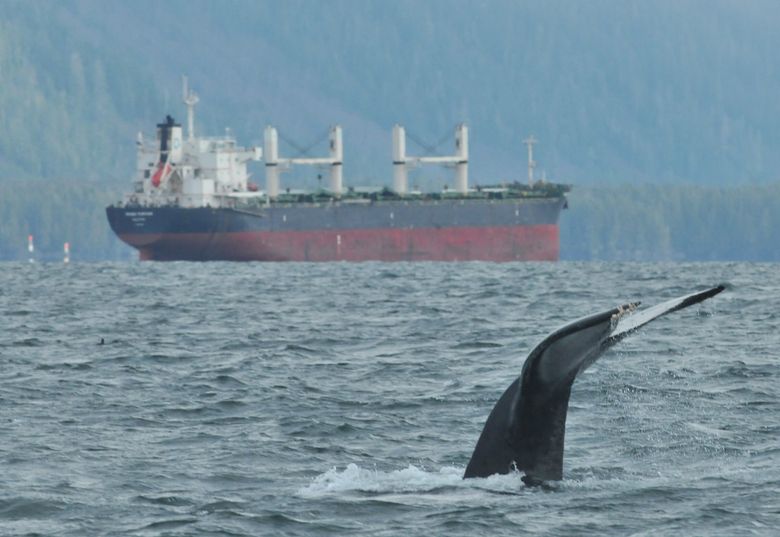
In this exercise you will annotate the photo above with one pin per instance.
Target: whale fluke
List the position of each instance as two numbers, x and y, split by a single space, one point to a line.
525 430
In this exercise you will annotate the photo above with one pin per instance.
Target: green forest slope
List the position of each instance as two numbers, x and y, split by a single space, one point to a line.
622 93
672 223
618 90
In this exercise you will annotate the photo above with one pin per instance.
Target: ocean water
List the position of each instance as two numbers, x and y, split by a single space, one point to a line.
345 399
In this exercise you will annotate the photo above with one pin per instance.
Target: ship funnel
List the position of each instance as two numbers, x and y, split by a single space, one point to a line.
169 139
170 150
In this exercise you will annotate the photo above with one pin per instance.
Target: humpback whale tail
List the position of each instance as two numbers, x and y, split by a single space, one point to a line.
525 430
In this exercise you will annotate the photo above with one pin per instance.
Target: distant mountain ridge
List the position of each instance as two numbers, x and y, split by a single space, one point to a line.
616 91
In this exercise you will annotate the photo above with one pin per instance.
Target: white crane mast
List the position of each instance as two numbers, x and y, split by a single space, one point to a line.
529 142
402 162
275 165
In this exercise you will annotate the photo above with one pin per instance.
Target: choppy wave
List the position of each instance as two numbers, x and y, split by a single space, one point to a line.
303 399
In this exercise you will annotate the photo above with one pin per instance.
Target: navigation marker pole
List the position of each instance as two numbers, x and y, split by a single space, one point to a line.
30 247
66 249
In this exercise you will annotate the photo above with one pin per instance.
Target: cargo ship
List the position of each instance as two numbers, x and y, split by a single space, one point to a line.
192 199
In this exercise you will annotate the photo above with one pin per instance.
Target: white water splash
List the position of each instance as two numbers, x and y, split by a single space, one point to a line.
411 479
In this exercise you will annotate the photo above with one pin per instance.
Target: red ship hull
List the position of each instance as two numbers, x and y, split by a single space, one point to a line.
398 230
499 244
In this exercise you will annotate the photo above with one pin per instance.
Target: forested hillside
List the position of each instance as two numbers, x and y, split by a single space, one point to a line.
614 90
619 92
68 103
672 223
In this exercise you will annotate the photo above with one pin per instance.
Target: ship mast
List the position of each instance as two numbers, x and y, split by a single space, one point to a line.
190 98
529 142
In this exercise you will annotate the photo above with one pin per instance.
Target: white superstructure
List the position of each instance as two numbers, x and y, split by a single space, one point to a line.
196 172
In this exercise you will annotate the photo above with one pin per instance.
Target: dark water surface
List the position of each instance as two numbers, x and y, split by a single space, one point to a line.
345 399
